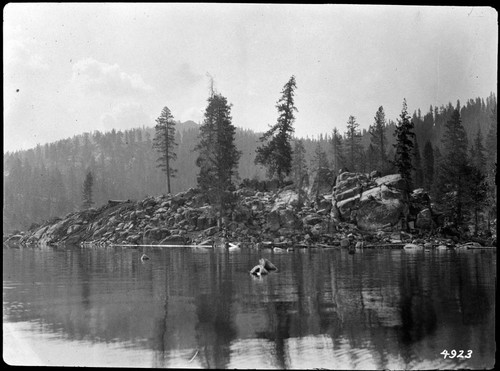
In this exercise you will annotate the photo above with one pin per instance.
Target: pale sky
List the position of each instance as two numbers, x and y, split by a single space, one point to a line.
74 68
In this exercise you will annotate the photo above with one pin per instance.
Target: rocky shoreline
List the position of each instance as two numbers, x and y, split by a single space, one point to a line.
362 211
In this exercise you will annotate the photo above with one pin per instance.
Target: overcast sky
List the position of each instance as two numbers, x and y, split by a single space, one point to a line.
74 68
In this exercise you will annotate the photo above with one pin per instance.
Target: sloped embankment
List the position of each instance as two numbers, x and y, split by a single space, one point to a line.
361 210
185 218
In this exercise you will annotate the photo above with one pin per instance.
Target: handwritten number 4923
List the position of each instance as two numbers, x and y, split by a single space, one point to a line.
453 353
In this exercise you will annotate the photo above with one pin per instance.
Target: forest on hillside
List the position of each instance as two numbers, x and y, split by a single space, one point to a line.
46 181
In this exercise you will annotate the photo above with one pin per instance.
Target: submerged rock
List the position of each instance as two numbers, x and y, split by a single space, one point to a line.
267 264
263 267
412 246
259 270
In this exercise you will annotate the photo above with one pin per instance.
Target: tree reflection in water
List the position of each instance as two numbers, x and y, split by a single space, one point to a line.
323 308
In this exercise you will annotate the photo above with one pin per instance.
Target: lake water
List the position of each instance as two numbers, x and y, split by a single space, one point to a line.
195 308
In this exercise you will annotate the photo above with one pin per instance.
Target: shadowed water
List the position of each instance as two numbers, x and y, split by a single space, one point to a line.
185 307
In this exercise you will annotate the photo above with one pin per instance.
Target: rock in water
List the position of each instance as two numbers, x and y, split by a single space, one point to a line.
412 246
259 270
267 264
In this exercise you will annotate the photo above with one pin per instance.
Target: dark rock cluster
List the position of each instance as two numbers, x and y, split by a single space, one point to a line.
362 210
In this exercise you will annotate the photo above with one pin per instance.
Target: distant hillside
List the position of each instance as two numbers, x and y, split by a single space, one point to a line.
46 181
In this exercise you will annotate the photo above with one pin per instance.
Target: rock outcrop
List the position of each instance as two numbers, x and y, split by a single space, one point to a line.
185 218
369 203
362 210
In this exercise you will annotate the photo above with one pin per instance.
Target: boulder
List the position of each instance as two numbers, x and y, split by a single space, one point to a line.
259 270
56 231
273 221
345 242
412 246
14 238
391 181
346 181
73 228
288 219
349 193
325 203
317 230
39 233
241 214
155 234
287 232
286 198
136 239
176 239
74 239
375 214
312 219
371 204
210 231
424 219
267 264
323 181
420 198
346 207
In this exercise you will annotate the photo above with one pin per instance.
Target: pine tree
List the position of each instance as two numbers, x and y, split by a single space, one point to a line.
218 157
320 167
276 154
378 140
353 146
371 155
491 164
454 169
337 150
478 187
477 153
87 190
477 193
164 143
491 142
417 165
404 145
428 167
299 170
391 156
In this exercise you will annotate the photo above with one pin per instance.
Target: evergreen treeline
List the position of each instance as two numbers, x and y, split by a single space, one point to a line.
46 181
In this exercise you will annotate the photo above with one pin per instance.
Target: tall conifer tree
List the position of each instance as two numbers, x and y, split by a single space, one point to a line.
320 166
477 153
417 165
276 153
218 156
378 140
353 146
454 169
87 191
337 150
299 169
428 166
164 143
404 145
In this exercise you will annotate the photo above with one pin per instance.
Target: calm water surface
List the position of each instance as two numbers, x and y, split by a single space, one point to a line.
185 307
